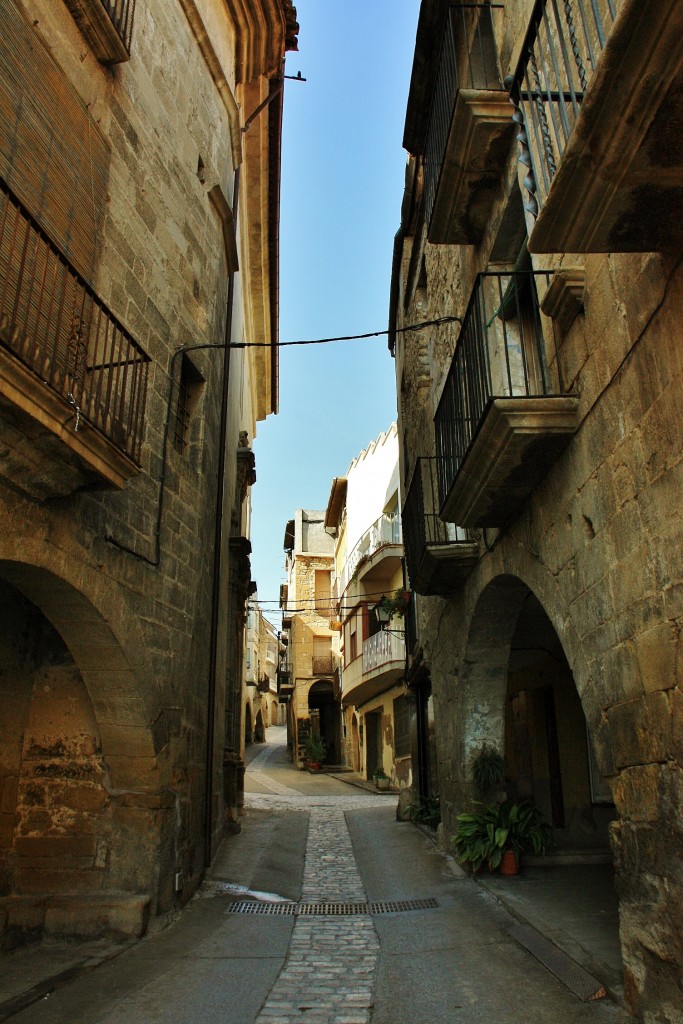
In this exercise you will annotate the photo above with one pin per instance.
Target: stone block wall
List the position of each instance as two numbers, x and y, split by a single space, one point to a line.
598 543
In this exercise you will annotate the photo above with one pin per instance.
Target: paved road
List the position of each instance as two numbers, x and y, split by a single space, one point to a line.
311 843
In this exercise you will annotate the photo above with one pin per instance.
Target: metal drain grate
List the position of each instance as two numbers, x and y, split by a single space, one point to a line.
331 909
566 970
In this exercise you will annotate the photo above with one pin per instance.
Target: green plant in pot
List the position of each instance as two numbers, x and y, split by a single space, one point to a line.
315 748
488 770
485 836
381 778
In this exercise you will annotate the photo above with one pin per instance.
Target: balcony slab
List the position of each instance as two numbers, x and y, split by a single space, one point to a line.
515 445
619 185
99 30
370 684
478 145
443 567
42 452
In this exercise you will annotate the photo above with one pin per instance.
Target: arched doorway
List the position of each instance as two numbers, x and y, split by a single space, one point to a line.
548 751
71 826
518 693
248 726
274 713
259 730
324 706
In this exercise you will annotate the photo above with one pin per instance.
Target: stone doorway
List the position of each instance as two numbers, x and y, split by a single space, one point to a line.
548 752
322 699
73 856
373 743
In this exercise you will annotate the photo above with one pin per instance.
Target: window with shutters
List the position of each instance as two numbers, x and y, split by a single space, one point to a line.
53 156
323 592
401 728
107 25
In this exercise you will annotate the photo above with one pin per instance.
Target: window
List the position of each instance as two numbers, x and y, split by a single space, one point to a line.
323 591
401 728
190 388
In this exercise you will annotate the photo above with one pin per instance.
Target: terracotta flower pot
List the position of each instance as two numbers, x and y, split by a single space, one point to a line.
509 865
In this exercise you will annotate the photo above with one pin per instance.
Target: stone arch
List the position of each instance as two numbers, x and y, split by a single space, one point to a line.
323 705
83 812
259 728
274 712
123 708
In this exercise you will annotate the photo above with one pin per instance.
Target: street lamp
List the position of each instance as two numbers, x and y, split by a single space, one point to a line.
384 614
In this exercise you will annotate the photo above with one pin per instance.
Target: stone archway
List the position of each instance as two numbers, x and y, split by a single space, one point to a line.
259 729
83 816
323 704
248 725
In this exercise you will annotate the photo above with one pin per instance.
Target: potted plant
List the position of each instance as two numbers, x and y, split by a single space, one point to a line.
488 770
395 604
381 778
315 748
506 828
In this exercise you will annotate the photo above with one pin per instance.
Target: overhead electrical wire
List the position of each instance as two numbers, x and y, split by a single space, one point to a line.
440 322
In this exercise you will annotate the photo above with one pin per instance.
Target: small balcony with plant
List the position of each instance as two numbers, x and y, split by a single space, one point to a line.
597 92
73 381
503 417
439 555
468 132
107 25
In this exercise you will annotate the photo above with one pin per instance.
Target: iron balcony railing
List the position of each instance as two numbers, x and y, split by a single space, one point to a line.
381 649
559 57
385 530
505 349
467 61
121 13
53 322
323 665
421 523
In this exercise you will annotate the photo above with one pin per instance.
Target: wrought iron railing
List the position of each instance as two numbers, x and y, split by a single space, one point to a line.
53 322
382 648
323 665
421 523
559 57
505 349
121 13
467 61
385 530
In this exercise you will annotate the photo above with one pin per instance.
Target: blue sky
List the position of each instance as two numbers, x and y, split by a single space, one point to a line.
342 183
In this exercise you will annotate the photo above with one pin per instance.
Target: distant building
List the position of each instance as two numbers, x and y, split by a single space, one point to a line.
363 516
540 432
310 664
138 236
262 707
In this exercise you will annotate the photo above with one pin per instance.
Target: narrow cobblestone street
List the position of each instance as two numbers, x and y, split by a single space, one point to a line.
324 910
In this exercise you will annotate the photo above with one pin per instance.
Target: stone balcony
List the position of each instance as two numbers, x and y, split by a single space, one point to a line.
73 382
599 91
107 25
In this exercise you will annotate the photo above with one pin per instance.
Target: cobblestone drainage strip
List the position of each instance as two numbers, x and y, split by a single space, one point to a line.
331 909
566 970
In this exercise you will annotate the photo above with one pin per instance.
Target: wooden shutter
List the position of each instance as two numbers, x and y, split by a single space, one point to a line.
52 154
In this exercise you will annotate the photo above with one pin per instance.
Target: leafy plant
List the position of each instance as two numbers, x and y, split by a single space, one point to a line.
397 603
483 836
315 747
488 769
426 812
379 773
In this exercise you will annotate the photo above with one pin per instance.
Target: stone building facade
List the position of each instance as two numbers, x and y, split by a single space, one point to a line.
540 430
138 236
363 517
312 675
262 645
